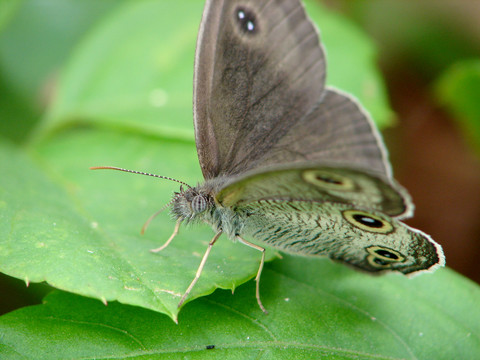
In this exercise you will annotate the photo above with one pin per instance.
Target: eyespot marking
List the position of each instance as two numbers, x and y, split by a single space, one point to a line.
382 257
247 20
328 180
368 222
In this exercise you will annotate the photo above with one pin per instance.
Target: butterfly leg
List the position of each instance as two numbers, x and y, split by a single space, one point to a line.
175 232
259 272
200 268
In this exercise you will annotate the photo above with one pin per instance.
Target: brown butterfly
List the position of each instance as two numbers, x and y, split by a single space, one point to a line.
289 163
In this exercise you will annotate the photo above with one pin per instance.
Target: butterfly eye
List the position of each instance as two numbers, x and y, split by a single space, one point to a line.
367 221
328 180
382 257
199 204
246 20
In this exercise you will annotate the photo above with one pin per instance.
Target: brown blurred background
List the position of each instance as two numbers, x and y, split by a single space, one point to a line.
418 42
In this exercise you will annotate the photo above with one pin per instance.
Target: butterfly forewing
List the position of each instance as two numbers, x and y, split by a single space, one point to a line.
336 131
259 69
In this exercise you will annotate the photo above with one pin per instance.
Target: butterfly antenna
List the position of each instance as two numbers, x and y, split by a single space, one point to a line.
138 172
144 227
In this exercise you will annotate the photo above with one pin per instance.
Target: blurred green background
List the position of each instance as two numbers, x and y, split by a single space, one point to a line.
429 56
88 82
429 53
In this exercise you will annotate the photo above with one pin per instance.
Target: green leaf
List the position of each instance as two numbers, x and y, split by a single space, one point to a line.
340 314
420 37
45 31
7 10
459 90
136 70
35 41
78 230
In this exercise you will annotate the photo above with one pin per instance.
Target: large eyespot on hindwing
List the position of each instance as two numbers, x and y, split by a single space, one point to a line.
381 257
246 20
368 222
328 180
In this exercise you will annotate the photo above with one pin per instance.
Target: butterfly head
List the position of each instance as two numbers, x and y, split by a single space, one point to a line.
191 203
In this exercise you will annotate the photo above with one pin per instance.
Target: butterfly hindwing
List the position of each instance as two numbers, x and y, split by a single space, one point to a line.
309 183
368 240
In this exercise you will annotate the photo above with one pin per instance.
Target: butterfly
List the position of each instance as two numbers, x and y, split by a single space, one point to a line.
288 162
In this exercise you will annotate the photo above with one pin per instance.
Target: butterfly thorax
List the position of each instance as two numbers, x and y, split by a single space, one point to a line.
197 204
